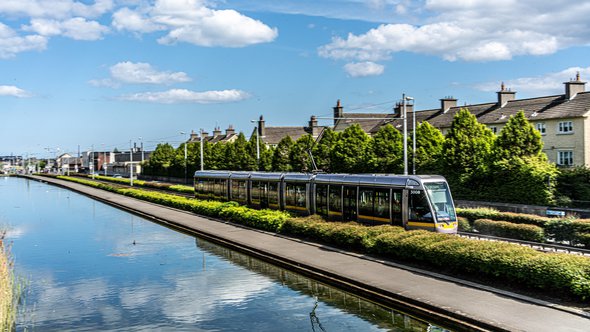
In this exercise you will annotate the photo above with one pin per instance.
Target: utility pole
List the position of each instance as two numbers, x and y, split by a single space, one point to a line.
130 164
201 134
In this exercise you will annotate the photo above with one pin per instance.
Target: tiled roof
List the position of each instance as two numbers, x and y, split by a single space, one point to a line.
273 135
367 121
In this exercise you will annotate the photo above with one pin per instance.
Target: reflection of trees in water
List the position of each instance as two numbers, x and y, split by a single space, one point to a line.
378 315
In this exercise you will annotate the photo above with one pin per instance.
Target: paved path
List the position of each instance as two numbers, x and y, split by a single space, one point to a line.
443 300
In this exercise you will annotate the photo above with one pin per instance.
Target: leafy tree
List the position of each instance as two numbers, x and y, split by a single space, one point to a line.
217 157
323 149
467 149
350 153
518 138
160 160
429 146
386 151
266 156
280 159
299 155
245 160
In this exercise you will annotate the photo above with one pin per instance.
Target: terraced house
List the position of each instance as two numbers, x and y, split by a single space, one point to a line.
563 120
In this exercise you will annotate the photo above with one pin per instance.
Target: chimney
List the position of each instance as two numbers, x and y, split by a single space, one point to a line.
505 95
572 88
205 134
261 129
314 130
216 132
230 131
338 112
446 103
398 110
194 136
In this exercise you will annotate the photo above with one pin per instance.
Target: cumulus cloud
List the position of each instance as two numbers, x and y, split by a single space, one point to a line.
190 21
140 73
13 91
471 30
175 96
550 83
362 69
77 28
11 43
57 9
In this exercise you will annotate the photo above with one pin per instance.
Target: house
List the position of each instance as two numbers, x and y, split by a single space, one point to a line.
217 137
563 120
271 136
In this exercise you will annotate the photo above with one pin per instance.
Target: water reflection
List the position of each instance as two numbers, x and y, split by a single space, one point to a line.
325 296
91 267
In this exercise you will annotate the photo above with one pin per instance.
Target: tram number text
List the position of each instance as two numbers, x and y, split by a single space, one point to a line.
416 192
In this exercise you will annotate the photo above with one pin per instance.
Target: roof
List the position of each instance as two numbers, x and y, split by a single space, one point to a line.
273 135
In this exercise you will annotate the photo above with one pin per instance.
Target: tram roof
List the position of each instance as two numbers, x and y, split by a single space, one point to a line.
374 179
298 177
266 176
213 174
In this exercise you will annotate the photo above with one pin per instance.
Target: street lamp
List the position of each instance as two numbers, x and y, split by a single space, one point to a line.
130 164
201 134
185 158
404 100
104 159
257 143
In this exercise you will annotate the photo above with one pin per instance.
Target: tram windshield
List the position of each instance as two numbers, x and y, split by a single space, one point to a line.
440 197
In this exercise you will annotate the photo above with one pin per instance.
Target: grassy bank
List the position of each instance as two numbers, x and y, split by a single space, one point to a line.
8 301
504 263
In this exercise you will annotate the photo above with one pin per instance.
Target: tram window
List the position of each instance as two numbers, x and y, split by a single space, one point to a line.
300 194
366 202
441 200
273 193
335 194
256 185
381 204
290 196
418 206
396 207
321 199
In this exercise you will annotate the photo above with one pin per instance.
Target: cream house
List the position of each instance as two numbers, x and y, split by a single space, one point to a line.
563 120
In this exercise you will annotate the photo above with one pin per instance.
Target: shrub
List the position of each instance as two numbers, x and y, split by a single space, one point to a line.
583 239
464 225
510 230
560 230
472 214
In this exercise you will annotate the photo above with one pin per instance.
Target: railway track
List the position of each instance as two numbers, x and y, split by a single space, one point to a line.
545 247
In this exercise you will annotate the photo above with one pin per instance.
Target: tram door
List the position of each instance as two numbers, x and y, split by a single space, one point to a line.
349 197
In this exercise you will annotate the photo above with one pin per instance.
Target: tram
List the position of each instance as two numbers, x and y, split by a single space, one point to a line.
410 201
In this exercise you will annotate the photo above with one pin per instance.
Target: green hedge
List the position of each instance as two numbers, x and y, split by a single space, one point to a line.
506 262
510 230
487 213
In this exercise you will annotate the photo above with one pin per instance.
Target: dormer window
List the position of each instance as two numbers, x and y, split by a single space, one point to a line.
541 128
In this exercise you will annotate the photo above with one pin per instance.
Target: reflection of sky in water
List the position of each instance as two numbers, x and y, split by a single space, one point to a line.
85 273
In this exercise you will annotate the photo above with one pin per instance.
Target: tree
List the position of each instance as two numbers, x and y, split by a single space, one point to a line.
299 155
246 161
386 151
467 146
429 146
350 152
280 159
323 149
160 160
518 138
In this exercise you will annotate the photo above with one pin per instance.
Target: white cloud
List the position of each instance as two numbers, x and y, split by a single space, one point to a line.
57 9
362 69
11 44
13 91
139 73
77 28
175 96
550 83
471 30
192 22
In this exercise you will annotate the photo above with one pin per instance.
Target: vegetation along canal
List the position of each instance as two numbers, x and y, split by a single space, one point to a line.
91 267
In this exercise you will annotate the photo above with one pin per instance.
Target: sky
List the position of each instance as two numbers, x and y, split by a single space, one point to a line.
77 75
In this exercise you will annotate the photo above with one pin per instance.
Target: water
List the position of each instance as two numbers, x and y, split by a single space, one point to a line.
91 267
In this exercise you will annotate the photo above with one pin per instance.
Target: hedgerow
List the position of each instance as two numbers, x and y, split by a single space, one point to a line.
505 262
510 230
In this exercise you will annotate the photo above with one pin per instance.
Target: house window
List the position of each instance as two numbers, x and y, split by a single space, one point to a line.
565 127
542 128
494 129
565 158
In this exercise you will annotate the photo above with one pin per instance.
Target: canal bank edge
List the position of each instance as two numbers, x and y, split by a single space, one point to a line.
422 306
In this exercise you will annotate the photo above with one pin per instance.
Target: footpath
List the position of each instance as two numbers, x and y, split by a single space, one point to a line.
449 302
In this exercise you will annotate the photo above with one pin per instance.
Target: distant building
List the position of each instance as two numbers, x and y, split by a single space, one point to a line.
218 136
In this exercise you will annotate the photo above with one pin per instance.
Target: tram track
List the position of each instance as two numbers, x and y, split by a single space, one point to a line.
545 247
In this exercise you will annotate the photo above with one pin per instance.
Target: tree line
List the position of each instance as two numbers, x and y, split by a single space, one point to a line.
479 165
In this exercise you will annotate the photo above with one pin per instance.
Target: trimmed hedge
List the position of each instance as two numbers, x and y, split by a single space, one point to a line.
487 213
510 230
506 262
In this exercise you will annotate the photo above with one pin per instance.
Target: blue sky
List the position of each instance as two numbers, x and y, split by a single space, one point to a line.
107 72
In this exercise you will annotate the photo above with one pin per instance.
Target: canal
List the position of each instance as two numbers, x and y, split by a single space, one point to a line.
87 266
